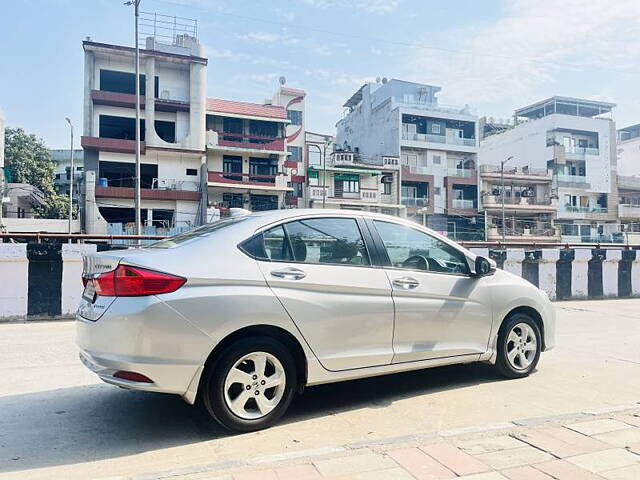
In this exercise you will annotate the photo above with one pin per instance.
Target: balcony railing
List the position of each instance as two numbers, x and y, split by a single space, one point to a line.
497 200
572 178
115 145
583 209
240 140
515 171
415 202
461 172
426 137
241 178
462 204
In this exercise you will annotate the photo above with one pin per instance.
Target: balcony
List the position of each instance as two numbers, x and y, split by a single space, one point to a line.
517 173
527 235
575 181
238 141
629 210
494 202
163 189
429 138
128 100
258 181
461 172
365 195
115 145
460 204
415 202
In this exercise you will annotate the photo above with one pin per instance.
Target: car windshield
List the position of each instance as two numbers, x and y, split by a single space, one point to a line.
181 238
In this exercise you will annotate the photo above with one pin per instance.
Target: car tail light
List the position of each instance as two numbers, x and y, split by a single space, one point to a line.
132 376
127 281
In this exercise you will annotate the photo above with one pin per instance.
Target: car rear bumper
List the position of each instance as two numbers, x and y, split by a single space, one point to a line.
145 336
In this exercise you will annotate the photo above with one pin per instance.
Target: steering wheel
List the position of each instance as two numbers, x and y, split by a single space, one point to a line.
417 262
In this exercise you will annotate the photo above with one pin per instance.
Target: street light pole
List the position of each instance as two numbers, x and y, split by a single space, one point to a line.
72 177
136 5
502 196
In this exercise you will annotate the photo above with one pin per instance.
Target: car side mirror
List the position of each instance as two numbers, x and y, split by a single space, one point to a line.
484 267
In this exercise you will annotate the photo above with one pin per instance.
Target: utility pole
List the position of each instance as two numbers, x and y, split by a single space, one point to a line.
72 177
327 142
502 196
136 5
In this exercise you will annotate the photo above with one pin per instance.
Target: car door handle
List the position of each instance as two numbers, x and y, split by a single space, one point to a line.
289 273
407 283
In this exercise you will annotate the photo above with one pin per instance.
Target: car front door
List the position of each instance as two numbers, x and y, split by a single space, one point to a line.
320 270
440 309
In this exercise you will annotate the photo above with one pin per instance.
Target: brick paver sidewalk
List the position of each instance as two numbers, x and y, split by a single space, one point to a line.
589 446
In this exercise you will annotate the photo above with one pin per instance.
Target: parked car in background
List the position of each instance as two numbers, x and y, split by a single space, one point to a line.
244 312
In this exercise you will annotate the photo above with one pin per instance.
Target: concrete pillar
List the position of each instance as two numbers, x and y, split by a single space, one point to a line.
150 135
513 262
610 273
15 274
580 273
197 106
72 287
547 271
94 223
89 84
635 275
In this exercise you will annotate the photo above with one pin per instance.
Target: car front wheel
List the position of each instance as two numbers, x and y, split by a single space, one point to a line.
519 346
251 384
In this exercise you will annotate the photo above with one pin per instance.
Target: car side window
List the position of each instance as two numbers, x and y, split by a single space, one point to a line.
327 240
415 250
275 244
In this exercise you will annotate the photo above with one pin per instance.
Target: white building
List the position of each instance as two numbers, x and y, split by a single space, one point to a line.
437 146
629 151
573 139
173 155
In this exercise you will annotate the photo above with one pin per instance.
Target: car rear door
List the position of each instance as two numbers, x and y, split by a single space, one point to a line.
320 270
440 310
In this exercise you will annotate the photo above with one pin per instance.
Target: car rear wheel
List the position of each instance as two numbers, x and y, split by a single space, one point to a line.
251 384
519 346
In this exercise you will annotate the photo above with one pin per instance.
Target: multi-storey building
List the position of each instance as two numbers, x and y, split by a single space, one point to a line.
436 144
62 179
246 154
629 203
318 150
529 206
172 131
629 150
575 140
346 180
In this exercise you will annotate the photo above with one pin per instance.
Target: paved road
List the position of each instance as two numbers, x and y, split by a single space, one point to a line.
58 421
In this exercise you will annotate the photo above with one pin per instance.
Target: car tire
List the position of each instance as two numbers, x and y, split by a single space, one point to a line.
519 346
250 384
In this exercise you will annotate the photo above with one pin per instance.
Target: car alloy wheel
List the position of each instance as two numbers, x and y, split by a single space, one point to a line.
521 346
254 385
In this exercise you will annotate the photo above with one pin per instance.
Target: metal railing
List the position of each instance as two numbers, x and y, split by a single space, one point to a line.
461 172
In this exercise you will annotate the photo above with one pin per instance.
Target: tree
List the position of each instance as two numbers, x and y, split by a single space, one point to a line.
29 161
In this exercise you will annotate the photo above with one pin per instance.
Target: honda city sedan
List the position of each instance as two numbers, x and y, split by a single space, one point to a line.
243 313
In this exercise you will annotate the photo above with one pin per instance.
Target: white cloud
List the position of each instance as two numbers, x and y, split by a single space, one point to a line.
322 50
370 6
263 37
533 46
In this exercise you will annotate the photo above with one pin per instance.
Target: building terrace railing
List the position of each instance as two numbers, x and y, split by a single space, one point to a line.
427 137
240 140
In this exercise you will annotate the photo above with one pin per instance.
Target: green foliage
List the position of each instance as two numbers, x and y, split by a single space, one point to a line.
29 161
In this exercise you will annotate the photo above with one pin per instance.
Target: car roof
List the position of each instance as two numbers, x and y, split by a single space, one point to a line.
275 215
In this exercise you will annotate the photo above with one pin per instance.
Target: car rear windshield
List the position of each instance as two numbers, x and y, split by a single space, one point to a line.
181 238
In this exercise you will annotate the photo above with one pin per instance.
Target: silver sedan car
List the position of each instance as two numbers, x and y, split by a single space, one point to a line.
243 313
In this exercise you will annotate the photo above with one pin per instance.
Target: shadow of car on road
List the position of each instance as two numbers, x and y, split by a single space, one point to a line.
97 422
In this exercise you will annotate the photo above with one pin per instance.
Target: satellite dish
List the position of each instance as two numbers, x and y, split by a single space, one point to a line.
384 80
282 80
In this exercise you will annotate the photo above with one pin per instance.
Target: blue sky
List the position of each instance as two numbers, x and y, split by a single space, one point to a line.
493 55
